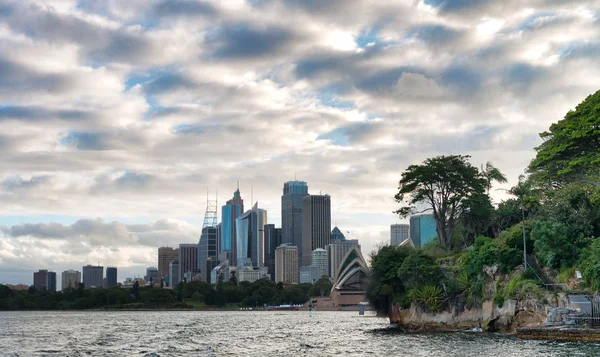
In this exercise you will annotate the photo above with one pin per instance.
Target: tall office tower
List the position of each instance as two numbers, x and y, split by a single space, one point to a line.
165 256
232 210
70 279
316 225
111 277
51 281
251 238
93 276
291 213
286 264
40 279
219 237
336 234
174 277
422 229
152 275
272 241
207 252
336 251
319 259
399 233
188 259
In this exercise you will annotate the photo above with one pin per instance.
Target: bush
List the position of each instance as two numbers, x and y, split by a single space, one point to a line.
521 288
553 246
499 300
418 269
430 297
590 265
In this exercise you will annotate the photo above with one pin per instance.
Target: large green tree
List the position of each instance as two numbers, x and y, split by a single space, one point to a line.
571 148
442 185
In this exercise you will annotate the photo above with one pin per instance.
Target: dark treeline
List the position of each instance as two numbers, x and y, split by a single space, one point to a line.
185 295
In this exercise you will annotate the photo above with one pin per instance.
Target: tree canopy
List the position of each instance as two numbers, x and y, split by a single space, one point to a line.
571 148
444 185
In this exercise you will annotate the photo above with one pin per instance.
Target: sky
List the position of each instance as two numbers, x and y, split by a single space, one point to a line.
118 116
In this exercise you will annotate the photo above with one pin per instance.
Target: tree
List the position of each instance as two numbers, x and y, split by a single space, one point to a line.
553 245
491 173
135 290
443 184
571 148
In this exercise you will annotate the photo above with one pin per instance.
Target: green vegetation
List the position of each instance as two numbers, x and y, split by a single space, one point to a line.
195 294
480 251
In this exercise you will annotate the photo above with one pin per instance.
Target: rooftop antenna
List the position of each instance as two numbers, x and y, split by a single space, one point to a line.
238 185
210 215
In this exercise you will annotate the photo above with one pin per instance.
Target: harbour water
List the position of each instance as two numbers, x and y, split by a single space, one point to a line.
254 333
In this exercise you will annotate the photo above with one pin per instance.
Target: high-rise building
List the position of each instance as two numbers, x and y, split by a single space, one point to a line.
291 213
286 263
40 279
93 276
111 276
319 260
188 259
399 233
207 252
151 275
336 250
422 229
70 279
316 225
174 273
336 234
272 241
309 274
165 256
51 281
232 210
251 237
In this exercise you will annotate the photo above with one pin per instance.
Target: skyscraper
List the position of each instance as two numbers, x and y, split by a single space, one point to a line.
40 279
336 250
151 275
399 233
291 212
250 240
51 281
316 225
70 279
319 260
336 234
93 276
207 252
165 256
272 241
174 277
286 264
188 259
422 229
111 276
232 210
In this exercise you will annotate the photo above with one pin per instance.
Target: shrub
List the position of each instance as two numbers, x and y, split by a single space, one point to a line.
499 300
429 297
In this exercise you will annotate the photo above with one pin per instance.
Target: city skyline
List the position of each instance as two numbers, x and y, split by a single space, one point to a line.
117 116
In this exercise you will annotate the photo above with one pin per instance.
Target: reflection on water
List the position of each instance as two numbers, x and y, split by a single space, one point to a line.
232 333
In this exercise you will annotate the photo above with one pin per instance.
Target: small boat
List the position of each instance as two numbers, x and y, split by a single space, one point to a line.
282 308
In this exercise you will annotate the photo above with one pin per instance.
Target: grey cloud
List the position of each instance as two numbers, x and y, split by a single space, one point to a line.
15 77
434 35
40 113
18 182
245 40
455 5
184 8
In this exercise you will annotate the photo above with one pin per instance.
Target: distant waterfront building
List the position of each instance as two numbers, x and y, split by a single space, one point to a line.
272 241
174 273
207 252
51 281
286 264
111 276
422 230
336 234
70 279
399 233
309 274
188 259
251 238
165 256
316 225
319 260
152 275
232 210
336 251
291 213
251 274
40 279
93 276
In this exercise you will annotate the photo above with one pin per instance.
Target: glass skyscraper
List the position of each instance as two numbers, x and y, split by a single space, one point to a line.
251 238
291 212
422 229
232 210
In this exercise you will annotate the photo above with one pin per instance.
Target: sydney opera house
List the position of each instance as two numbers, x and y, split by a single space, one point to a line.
353 278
